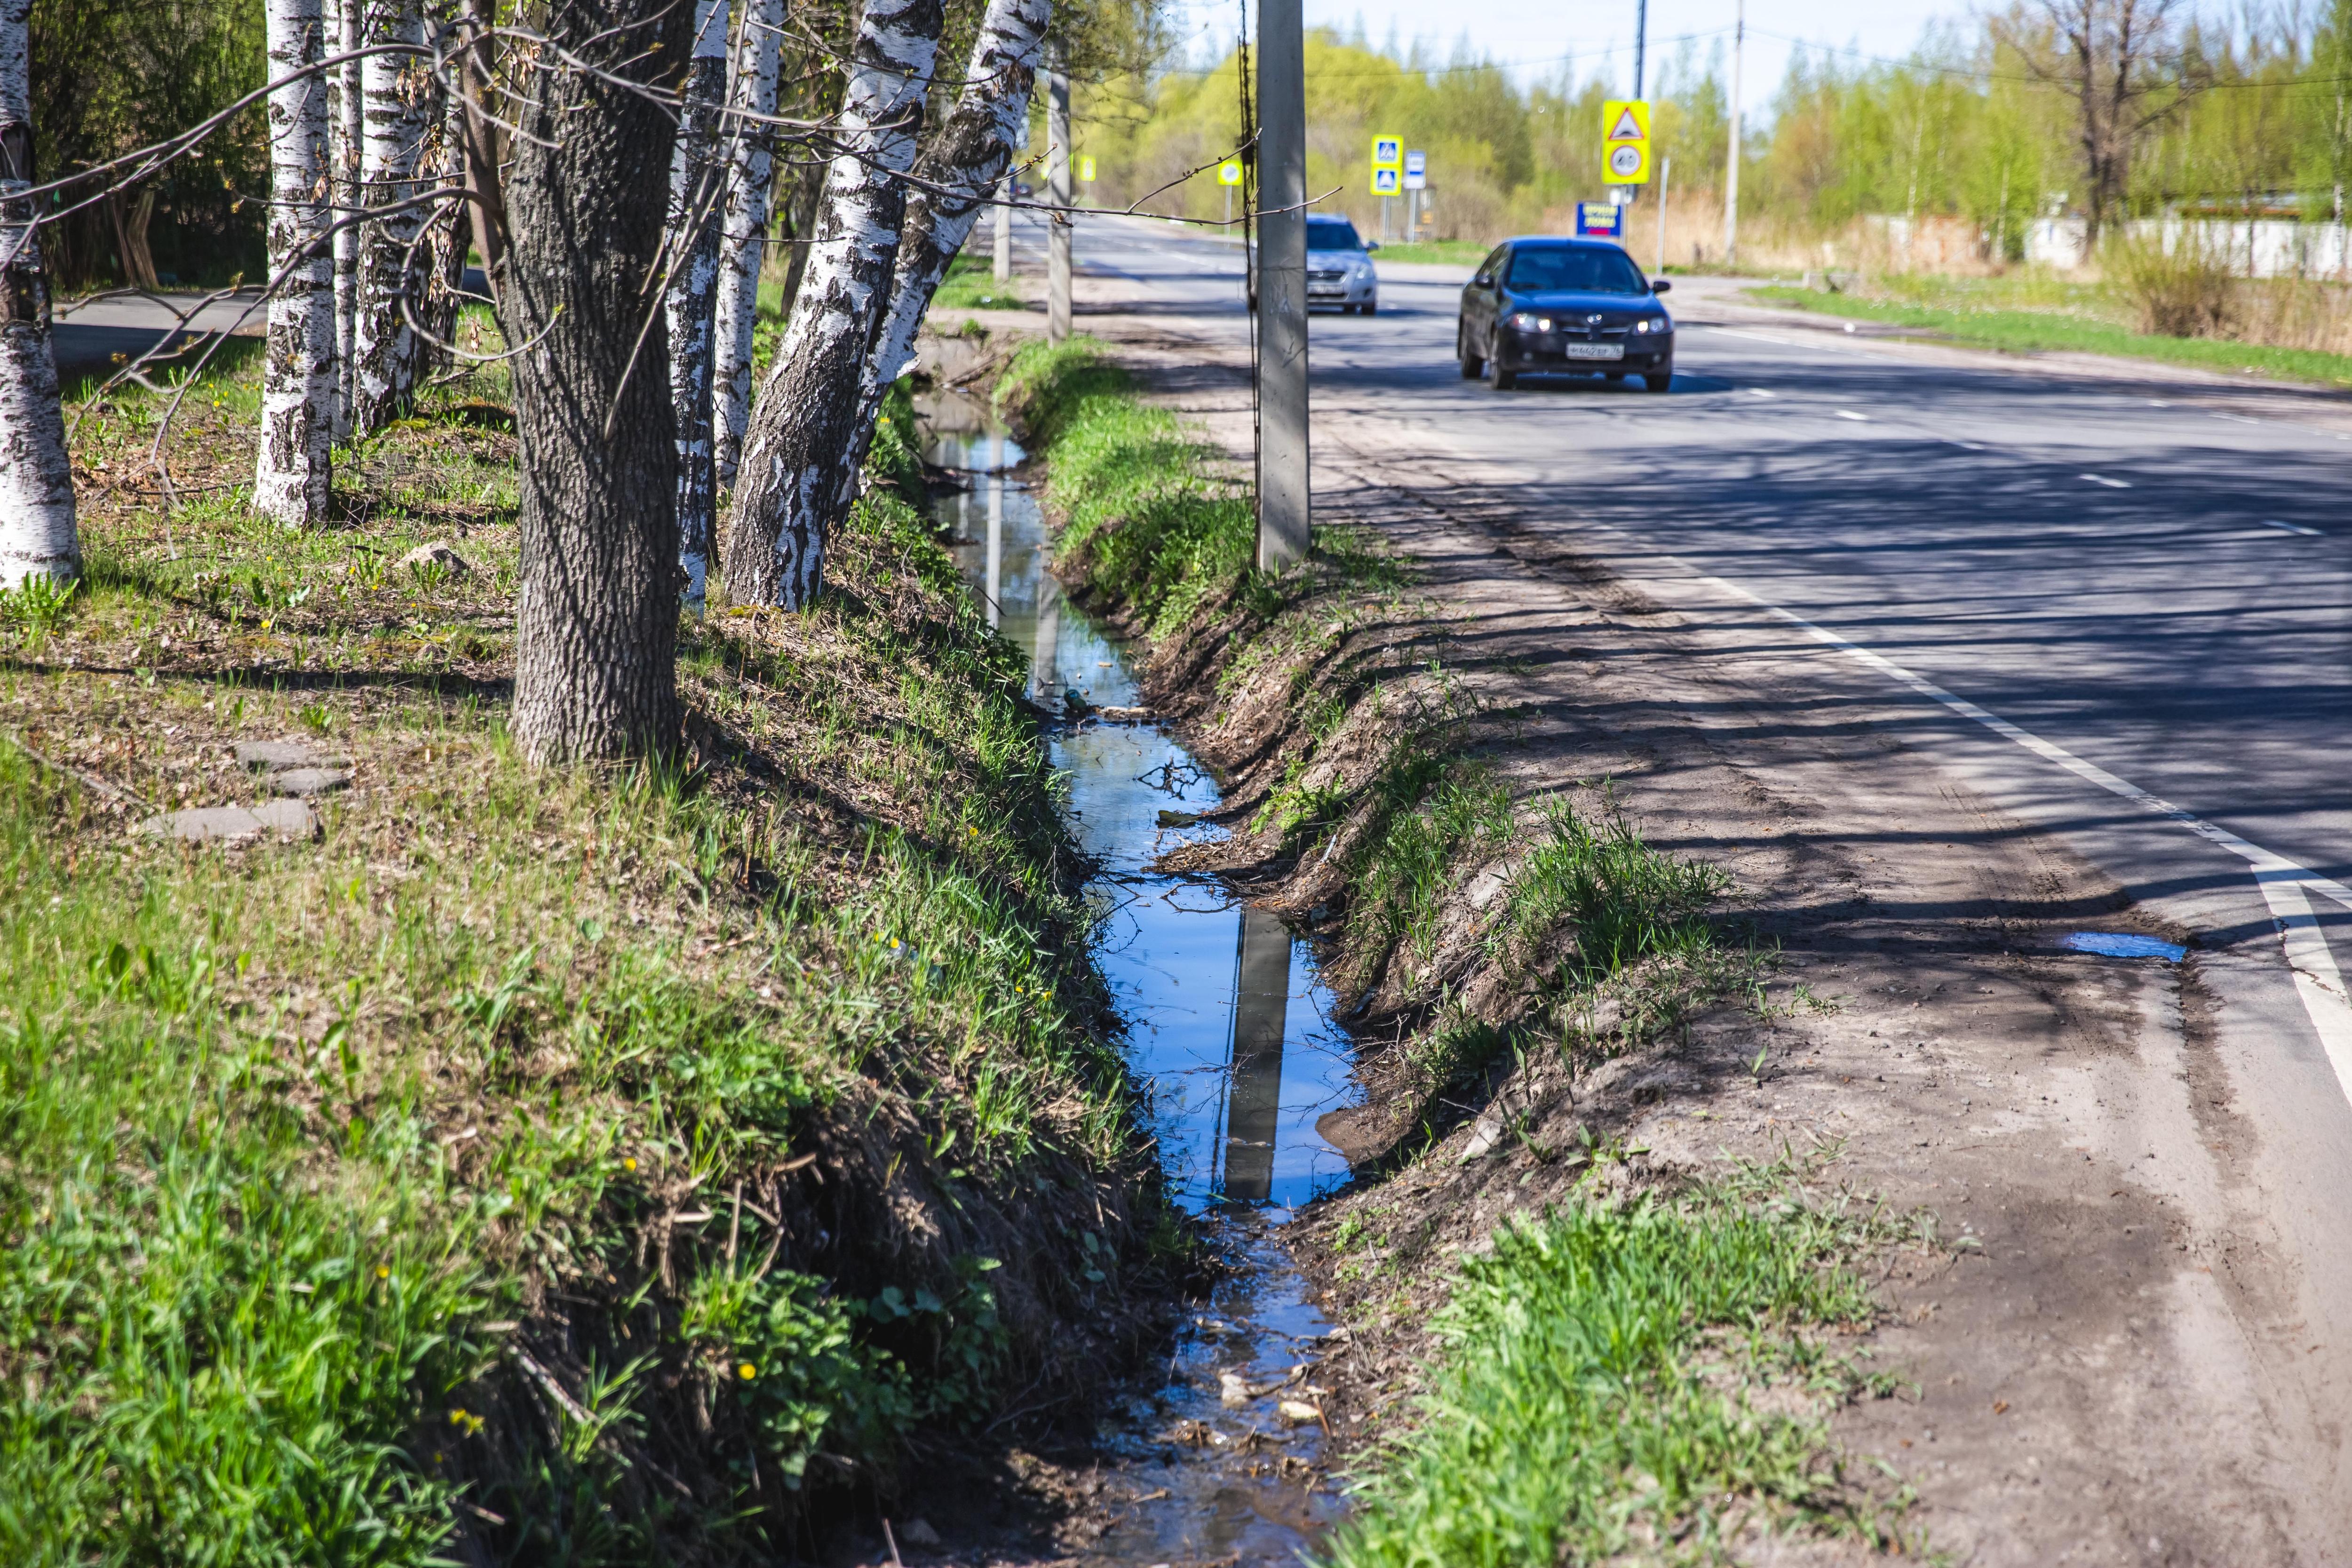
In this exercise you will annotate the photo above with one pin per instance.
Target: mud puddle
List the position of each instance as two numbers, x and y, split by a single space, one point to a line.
1229 1027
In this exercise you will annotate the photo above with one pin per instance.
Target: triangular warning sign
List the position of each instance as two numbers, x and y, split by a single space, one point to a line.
1627 128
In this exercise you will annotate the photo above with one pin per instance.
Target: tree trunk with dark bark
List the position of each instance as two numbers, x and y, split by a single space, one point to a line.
800 462
596 627
698 180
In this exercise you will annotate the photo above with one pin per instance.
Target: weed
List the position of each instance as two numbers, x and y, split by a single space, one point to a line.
1596 1386
40 603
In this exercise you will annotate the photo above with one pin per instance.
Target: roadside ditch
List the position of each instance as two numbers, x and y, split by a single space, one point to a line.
1510 965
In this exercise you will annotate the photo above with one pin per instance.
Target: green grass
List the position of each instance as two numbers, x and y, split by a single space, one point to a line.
304 1148
2039 330
1616 1378
1445 252
970 285
1146 515
1617 900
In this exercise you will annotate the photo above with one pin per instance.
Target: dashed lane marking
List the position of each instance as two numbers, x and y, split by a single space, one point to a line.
2291 527
2102 479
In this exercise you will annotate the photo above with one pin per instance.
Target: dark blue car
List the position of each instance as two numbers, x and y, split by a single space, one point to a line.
1545 306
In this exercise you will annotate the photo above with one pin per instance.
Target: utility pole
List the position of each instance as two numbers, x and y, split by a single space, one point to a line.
1003 269
1282 488
1057 187
1641 40
1731 157
1665 187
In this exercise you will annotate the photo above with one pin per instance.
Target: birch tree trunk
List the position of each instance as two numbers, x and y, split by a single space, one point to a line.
396 92
596 624
292 476
38 537
751 170
798 464
965 161
696 182
343 153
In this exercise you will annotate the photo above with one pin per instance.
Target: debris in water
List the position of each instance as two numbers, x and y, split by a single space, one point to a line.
2122 944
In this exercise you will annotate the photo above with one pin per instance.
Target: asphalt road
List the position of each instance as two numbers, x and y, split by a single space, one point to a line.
2116 604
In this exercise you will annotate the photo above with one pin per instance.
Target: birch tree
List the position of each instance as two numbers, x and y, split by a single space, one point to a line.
344 136
799 460
696 182
742 245
958 172
37 536
596 619
396 92
293 473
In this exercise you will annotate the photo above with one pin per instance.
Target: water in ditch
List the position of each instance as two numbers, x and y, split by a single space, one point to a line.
1230 1029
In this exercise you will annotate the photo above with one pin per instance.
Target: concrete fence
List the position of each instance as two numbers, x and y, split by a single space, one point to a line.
2255 247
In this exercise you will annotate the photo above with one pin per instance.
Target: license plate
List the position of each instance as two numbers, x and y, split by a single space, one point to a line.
1593 350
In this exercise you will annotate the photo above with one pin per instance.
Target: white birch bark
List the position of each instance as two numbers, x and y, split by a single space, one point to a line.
291 472
965 161
343 153
800 459
396 92
696 181
742 245
37 535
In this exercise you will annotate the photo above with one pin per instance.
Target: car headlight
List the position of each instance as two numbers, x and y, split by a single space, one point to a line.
1525 321
1653 324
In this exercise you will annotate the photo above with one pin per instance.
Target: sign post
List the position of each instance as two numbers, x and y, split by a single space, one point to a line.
1625 143
1283 495
1388 174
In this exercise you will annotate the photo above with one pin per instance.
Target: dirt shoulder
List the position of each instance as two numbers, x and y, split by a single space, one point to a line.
2080 1342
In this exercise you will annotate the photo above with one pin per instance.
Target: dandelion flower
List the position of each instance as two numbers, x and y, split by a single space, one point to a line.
746 1371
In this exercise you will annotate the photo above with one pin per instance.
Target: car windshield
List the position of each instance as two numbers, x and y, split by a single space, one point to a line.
1582 271
1332 234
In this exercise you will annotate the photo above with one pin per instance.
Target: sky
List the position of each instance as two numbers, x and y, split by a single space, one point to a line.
1533 35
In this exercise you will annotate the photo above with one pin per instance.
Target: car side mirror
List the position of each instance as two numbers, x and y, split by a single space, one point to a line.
1372 245
1661 286
1481 280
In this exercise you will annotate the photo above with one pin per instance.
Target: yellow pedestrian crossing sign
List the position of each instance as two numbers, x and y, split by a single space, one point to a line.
1625 141
1229 173
1388 165
1086 168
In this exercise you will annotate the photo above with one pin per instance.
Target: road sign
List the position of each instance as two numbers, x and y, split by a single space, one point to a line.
1625 139
1416 171
1386 182
1604 220
1086 168
1229 173
1387 152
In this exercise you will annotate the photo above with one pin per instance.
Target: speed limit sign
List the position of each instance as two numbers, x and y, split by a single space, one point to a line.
1625 139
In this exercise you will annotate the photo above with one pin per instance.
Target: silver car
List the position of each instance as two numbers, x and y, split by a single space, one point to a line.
1340 267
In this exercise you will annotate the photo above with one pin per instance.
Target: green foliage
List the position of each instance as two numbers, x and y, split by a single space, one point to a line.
40 603
1621 900
1596 1390
1153 525
1431 810
970 285
896 457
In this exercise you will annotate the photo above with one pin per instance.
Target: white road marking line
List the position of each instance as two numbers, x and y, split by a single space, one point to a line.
1964 446
2102 479
2285 886
1849 414
2235 418
2155 403
1759 392
2292 527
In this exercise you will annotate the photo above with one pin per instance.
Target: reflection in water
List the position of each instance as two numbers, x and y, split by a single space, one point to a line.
1227 1026
1253 1092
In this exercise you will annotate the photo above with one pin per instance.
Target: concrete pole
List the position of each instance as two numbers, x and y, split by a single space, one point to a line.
1665 187
1282 488
1731 157
1004 269
1057 187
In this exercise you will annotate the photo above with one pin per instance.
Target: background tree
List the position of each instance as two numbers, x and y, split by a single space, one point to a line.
36 498
398 106
697 181
596 620
292 474
751 173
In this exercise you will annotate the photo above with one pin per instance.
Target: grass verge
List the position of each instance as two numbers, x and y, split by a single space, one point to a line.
970 285
581 1165
2032 332
1633 1377
1445 252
